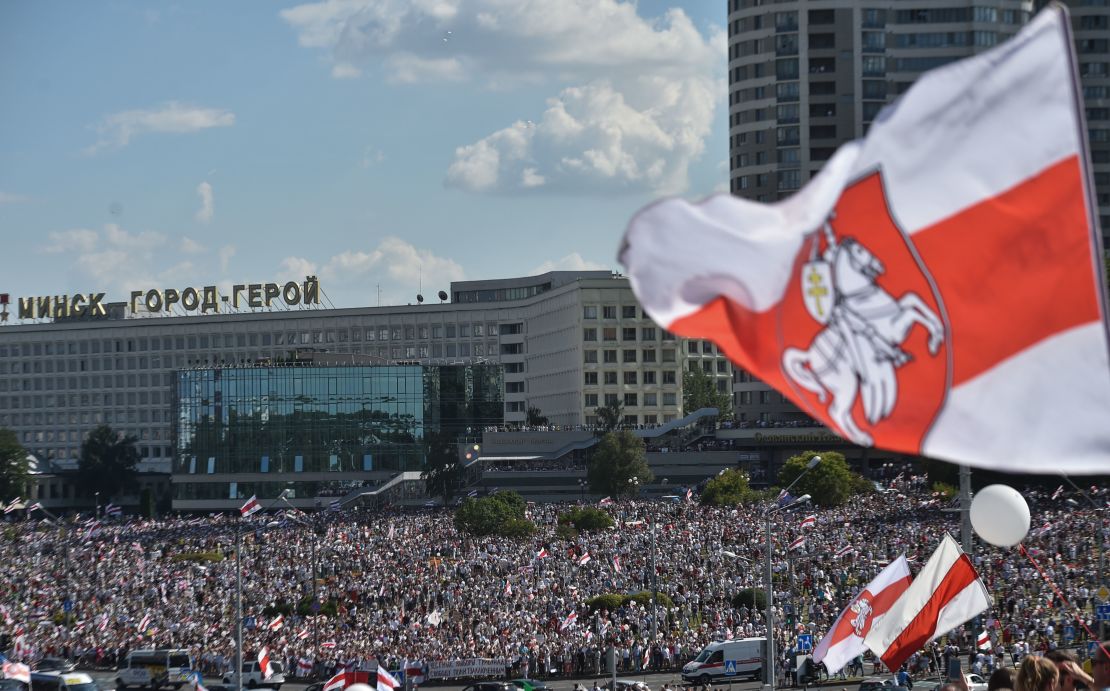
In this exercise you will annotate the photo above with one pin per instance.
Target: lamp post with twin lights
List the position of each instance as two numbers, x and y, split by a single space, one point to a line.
769 667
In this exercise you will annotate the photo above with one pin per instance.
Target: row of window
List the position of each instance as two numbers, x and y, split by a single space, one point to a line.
648 378
634 420
628 333
630 400
628 355
610 311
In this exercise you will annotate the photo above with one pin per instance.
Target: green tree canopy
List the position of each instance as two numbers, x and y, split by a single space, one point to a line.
618 458
753 598
610 417
501 513
727 489
699 390
107 463
535 417
830 483
13 466
586 518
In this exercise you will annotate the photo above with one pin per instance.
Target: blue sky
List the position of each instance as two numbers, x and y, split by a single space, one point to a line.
371 142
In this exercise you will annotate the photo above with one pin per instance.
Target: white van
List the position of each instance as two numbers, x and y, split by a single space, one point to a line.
156 669
746 654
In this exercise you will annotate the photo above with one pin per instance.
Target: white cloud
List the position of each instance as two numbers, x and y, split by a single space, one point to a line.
76 240
204 213
370 156
571 262
637 94
191 246
118 261
394 264
10 198
345 70
226 253
117 130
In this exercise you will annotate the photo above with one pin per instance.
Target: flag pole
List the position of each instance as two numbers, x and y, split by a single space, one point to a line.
238 607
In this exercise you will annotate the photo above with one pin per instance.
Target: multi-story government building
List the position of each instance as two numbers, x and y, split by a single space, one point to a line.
806 77
567 342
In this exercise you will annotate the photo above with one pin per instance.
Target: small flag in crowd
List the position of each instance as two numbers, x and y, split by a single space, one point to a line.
336 505
647 656
843 552
34 507
327 645
336 683
605 502
542 554
1057 493
809 521
304 667
386 681
250 508
389 535
785 498
617 564
472 493
113 510
264 663
689 494
508 587
569 621
946 593
277 623
12 505
144 624
302 634
800 542
1042 531
984 641
584 559
17 671
845 639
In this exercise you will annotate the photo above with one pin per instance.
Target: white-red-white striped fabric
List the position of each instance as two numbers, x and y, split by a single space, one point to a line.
936 289
844 641
584 559
336 683
844 551
144 624
809 521
797 544
946 593
277 623
302 634
251 507
304 667
542 553
328 645
386 681
984 641
264 665
605 502
569 621
617 564
17 671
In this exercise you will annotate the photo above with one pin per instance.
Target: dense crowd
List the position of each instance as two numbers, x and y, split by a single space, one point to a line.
404 585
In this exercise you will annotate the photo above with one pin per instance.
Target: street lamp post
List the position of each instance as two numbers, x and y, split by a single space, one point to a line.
316 532
769 667
582 482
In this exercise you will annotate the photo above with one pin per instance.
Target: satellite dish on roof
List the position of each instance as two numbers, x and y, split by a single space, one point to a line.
419 298
442 295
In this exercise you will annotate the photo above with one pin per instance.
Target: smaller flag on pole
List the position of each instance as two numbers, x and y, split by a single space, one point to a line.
542 553
617 564
809 521
336 505
277 623
336 683
1057 493
605 502
113 510
250 508
798 543
584 559
12 506
984 641
386 681
264 665
569 621
844 551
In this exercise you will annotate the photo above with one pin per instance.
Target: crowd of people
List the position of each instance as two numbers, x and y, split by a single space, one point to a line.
403 585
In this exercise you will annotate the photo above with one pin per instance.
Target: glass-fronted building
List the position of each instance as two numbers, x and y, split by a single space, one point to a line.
321 432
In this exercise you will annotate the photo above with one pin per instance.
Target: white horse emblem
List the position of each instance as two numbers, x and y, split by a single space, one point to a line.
862 609
860 349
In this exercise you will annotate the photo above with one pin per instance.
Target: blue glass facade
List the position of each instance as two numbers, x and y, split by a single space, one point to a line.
319 430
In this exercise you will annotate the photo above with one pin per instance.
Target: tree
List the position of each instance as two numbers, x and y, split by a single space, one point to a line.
535 417
752 598
586 518
498 514
13 466
442 474
830 483
610 417
699 390
727 489
107 463
618 459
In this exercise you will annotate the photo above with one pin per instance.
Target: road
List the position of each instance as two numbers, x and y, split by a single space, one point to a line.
106 681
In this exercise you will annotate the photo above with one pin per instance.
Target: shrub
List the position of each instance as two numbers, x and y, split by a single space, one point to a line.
198 557
644 598
612 601
609 601
946 490
517 527
753 598
498 514
727 489
566 531
587 518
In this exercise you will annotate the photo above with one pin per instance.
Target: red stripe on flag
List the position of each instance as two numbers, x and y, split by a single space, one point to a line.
880 603
1014 269
918 631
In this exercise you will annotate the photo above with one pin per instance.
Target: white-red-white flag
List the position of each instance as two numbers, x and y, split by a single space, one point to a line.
277 623
605 502
144 624
798 543
984 640
946 593
844 551
542 554
17 671
1057 493
328 645
844 641
264 665
584 559
617 564
251 507
569 621
302 634
386 681
881 298
336 683
809 521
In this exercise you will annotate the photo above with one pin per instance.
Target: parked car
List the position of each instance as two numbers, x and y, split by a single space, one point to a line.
54 664
974 683
627 685
877 684
531 685
253 677
490 686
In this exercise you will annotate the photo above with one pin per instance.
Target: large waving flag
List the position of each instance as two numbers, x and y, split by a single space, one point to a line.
386 681
250 508
946 593
936 289
844 640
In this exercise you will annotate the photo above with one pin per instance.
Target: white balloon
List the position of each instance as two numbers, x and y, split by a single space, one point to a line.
358 687
1000 515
